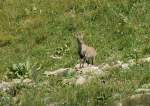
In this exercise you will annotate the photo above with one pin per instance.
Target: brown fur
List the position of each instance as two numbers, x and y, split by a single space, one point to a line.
86 52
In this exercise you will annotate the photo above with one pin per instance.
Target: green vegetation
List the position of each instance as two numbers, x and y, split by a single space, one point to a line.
100 92
37 30
22 70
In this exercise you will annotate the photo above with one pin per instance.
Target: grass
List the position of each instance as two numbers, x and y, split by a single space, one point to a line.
37 30
118 83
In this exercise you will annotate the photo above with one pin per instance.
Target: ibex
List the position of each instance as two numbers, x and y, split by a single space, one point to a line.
85 52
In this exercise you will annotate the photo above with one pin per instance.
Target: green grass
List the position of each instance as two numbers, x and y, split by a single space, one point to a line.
36 30
114 28
96 93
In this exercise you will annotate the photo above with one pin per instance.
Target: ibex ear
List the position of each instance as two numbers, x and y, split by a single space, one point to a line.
81 35
74 34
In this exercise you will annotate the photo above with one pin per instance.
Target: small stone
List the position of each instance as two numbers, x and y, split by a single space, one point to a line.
56 72
16 81
142 90
146 86
131 62
136 100
4 86
117 95
27 81
84 66
119 62
146 59
118 104
125 66
56 57
69 81
34 8
105 67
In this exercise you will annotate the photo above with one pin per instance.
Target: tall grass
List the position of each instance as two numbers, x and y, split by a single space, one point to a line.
101 91
36 29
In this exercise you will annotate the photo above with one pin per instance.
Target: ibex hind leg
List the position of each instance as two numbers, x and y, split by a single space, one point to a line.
88 61
93 60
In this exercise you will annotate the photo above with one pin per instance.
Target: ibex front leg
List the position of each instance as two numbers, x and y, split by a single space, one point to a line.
82 61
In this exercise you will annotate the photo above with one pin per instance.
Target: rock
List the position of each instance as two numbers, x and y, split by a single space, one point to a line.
146 86
145 59
53 104
116 95
84 66
131 62
125 66
116 66
91 70
142 90
137 100
4 86
134 100
119 62
69 81
16 81
55 57
118 104
105 67
56 72
27 81
80 80
112 66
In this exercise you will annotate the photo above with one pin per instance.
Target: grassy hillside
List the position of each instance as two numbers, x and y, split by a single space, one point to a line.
36 30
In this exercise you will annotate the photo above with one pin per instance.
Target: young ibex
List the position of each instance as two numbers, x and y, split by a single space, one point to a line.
86 52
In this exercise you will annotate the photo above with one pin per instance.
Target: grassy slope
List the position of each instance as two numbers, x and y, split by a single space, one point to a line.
42 28
118 84
36 29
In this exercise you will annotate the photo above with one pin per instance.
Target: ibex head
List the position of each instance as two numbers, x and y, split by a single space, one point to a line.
79 36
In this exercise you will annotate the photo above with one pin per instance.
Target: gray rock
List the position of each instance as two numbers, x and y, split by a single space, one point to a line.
125 66
146 86
131 62
4 86
137 100
105 66
80 80
27 81
142 90
56 72
69 81
147 59
16 81
91 70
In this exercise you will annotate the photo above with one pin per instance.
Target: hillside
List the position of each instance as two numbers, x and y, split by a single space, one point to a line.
39 35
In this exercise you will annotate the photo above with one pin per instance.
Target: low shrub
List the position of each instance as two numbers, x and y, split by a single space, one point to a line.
23 70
